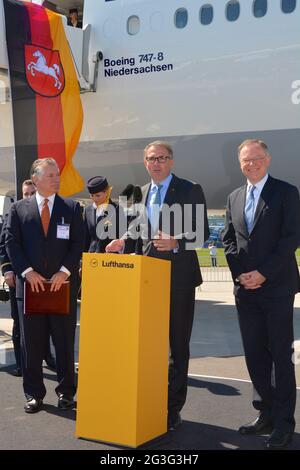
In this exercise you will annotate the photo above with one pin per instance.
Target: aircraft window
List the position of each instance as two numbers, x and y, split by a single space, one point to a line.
288 6
181 18
133 25
232 10
260 8
206 14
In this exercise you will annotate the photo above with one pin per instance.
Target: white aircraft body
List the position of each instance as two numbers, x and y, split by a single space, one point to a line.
203 75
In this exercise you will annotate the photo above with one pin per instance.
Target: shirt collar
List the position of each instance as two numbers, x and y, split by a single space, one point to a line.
40 198
164 183
259 185
99 209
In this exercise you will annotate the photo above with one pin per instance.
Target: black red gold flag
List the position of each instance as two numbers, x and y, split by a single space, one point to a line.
47 110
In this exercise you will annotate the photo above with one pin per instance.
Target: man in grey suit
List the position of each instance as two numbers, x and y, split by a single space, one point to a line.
164 191
261 235
44 240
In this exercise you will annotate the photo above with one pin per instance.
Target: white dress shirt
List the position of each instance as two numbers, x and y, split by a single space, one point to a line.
258 189
40 202
99 210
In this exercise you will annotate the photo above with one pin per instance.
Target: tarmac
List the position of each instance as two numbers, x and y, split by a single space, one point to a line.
219 392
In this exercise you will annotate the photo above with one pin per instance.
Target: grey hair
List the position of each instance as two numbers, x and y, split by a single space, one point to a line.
37 166
159 143
259 142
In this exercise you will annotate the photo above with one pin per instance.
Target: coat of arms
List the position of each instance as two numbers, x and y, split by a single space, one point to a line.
44 71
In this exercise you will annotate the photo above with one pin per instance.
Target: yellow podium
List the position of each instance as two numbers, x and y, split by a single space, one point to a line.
123 349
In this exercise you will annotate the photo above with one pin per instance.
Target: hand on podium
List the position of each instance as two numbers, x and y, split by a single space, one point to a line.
115 246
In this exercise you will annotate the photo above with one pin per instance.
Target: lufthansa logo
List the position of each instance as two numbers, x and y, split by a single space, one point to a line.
94 263
114 264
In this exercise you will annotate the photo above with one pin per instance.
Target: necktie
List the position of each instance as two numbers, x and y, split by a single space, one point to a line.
249 208
155 208
45 216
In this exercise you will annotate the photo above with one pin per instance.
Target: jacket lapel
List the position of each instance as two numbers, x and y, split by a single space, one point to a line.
170 197
240 201
56 216
34 211
264 196
145 191
145 222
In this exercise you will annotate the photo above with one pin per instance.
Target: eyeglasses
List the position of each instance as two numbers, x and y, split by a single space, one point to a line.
160 159
252 160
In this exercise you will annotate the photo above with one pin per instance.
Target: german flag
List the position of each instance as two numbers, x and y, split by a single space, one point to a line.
47 110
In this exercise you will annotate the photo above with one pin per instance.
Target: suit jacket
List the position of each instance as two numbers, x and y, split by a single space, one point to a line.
92 243
185 270
27 245
270 247
4 259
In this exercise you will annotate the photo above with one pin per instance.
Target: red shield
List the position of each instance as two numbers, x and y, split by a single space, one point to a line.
44 71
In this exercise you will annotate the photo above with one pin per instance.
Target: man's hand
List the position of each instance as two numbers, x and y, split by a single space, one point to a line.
35 280
57 280
252 280
115 246
164 242
10 279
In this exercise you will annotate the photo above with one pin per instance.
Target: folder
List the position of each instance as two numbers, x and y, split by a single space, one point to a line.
46 302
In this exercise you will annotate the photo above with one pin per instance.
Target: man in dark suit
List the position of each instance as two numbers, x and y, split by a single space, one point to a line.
28 190
261 235
101 217
44 242
164 191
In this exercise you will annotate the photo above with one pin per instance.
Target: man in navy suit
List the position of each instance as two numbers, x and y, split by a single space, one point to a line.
28 190
261 235
164 191
44 242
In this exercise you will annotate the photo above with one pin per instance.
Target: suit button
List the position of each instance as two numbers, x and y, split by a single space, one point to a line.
249 239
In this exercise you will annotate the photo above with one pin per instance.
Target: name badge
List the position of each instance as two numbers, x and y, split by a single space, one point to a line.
63 232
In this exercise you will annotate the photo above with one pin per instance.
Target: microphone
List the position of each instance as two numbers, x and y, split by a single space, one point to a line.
137 194
128 191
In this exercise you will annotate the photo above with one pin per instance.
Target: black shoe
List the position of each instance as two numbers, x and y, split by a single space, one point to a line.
260 425
33 405
65 403
51 363
174 421
17 372
279 439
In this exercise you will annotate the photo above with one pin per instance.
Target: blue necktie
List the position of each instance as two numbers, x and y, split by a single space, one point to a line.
249 208
155 208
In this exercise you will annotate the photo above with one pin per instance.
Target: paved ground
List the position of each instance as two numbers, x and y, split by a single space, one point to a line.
214 410
219 394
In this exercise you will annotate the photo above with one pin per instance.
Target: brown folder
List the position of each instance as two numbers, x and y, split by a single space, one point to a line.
46 302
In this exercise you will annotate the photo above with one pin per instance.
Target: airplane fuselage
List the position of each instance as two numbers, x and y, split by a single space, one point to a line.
204 88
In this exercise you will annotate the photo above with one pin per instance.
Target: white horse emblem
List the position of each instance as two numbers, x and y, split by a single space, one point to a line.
41 66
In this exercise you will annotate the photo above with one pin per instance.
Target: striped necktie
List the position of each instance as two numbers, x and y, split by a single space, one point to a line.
249 208
155 208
